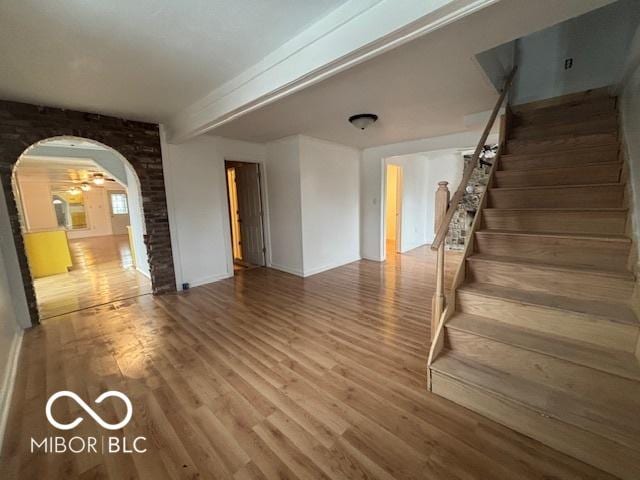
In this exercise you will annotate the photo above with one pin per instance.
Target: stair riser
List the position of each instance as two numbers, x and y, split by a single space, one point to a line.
583 175
540 279
556 373
557 251
564 113
552 144
609 196
612 222
535 162
592 449
562 323
606 124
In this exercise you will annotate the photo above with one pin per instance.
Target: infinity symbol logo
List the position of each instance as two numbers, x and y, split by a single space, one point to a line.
89 410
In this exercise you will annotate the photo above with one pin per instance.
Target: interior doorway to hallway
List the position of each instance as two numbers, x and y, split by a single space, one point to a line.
82 225
245 214
393 209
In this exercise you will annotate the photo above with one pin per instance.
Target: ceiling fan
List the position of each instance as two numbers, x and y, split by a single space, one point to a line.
99 178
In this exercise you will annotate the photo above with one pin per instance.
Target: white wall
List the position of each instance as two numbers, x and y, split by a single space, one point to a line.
630 122
39 214
285 205
197 201
14 314
37 209
136 220
372 173
598 43
330 186
497 63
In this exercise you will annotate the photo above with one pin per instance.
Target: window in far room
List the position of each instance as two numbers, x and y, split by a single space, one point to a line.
119 204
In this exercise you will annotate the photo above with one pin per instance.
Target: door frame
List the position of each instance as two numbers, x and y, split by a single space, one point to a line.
228 162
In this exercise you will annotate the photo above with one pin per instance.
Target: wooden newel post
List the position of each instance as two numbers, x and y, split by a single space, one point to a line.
437 304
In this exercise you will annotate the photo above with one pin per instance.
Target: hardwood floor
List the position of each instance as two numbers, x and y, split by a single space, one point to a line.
102 272
266 375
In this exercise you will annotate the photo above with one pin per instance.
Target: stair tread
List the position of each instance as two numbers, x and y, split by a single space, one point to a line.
613 311
617 362
550 187
593 95
560 136
556 210
517 173
599 418
572 151
623 274
595 118
575 236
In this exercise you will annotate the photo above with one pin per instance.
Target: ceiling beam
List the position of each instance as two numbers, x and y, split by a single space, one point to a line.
354 32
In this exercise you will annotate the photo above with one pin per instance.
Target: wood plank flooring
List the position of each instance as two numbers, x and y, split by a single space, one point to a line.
102 272
266 376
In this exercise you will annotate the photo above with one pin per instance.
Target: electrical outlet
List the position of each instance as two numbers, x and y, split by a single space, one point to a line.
568 63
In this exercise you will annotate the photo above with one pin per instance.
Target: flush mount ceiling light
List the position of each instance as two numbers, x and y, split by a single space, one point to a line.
98 178
363 120
85 187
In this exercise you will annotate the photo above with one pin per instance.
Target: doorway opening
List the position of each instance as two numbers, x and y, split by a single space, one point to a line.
81 219
393 209
244 197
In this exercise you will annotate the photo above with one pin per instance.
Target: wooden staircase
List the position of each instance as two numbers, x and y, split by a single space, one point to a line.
543 336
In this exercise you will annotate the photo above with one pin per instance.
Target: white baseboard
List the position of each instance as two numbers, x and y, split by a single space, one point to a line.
209 279
146 274
331 266
8 382
282 268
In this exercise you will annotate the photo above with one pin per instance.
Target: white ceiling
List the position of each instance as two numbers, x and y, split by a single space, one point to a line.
422 89
140 59
61 172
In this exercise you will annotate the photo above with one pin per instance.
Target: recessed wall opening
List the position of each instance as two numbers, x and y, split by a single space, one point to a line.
246 220
82 224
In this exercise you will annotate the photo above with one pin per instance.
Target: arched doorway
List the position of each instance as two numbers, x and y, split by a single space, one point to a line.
82 223
23 125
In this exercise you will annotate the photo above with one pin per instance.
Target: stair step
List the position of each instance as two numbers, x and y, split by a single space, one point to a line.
599 388
576 175
558 143
568 112
567 220
605 122
597 251
529 408
593 95
606 195
615 362
567 158
575 282
606 324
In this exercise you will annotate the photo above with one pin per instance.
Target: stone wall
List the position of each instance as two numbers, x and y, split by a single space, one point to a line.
463 217
22 125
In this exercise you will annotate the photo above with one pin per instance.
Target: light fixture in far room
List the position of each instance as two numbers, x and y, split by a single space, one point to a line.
74 191
363 120
98 178
85 187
